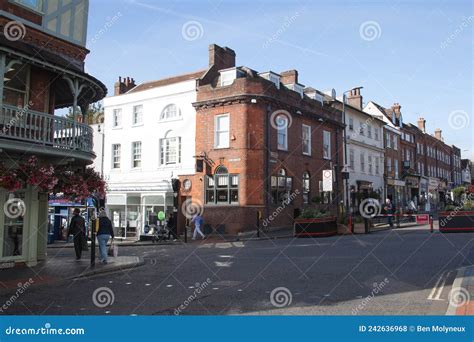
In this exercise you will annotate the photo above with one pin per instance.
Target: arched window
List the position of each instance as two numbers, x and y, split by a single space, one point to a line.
306 187
170 112
170 149
280 187
222 188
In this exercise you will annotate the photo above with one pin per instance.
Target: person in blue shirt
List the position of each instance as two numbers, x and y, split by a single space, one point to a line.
198 221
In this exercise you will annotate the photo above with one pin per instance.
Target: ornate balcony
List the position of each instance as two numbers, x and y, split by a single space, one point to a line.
28 131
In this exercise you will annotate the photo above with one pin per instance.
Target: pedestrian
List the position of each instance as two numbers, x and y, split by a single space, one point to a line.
104 233
77 228
171 224
197 219
389 211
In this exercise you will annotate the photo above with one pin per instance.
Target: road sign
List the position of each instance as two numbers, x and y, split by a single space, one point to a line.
422 219
327 180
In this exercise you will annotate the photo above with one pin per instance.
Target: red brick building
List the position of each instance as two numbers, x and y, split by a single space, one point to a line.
262 143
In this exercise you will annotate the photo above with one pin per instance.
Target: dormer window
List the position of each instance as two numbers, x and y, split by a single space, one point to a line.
227 76
296 87
272 77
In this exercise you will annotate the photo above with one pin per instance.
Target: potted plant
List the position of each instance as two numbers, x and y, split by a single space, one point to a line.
313 222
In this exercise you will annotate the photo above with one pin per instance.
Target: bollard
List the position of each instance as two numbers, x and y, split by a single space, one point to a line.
259 215
351 226
431 224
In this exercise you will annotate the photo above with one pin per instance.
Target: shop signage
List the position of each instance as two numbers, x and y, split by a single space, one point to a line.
327 180
422 219
5 265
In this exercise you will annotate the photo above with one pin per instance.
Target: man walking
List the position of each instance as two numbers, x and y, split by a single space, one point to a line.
197 219
77 228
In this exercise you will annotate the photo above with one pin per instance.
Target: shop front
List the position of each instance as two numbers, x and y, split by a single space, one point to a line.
396 191
132 213
423 194
412 186
433 195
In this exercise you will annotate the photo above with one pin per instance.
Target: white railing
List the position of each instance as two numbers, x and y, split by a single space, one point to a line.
45 129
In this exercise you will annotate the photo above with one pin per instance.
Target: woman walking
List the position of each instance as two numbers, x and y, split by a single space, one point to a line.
104 233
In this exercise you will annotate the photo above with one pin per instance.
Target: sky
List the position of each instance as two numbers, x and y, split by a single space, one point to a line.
416 53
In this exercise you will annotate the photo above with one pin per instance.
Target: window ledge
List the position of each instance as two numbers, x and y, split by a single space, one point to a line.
138 124
171 120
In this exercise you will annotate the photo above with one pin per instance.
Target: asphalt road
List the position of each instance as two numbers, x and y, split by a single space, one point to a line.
406 272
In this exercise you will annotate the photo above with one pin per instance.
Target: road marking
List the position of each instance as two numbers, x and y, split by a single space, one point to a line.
439 286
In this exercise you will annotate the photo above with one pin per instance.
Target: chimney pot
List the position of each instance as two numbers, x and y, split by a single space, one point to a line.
355 99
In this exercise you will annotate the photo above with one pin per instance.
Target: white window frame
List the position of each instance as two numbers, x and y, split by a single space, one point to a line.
282 130
219 131
166 145
307 141
369 131
164 115
351 124
137 113
117 118
326 143
351 159
116 156
362 161
136 154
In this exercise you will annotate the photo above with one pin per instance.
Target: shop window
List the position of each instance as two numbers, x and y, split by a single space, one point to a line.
13 225
222 187
281 186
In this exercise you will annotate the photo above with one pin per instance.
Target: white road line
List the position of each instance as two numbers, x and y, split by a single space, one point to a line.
435 293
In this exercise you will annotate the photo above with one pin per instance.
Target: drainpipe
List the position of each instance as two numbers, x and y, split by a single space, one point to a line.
267 158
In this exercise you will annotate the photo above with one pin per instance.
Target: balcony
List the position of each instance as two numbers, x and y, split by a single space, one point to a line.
24 130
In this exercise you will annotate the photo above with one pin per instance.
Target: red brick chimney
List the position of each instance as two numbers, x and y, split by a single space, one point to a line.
221 57
122 86
355 99
421 124
289 77
437 134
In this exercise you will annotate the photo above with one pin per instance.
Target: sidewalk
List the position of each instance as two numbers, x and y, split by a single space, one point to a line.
59 268
461 301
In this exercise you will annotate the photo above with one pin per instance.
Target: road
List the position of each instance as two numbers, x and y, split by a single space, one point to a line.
398 272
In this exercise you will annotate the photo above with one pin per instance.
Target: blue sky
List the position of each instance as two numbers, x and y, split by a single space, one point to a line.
417 53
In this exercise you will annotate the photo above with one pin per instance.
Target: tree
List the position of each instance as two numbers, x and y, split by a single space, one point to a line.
95 113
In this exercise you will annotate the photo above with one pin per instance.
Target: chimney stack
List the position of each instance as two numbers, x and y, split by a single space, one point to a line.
396 108
289 77
355 99
421 124
221 57
438 135
122 86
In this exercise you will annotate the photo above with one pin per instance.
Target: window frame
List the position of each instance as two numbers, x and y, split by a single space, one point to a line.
165 109
134 115
136 146
306 185
284 129
164 149
117 118
327 134
116 153
218 131
230 187
308 141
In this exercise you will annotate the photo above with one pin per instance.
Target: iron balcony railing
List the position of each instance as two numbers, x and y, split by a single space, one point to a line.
24 124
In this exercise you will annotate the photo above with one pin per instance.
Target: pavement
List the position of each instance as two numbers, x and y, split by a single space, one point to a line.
406 271
461 297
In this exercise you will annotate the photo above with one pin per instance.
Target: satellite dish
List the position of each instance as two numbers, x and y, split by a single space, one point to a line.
333 94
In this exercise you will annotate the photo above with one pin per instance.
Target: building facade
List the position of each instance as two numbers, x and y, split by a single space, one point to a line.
365 150
148 139
42 52
263 142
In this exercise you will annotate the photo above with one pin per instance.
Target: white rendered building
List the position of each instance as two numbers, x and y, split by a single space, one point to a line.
149 138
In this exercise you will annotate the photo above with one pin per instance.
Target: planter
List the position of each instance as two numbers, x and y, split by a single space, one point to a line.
325 226
456 221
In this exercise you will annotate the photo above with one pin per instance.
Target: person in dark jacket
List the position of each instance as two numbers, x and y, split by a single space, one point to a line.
171 224
77 228
105 232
